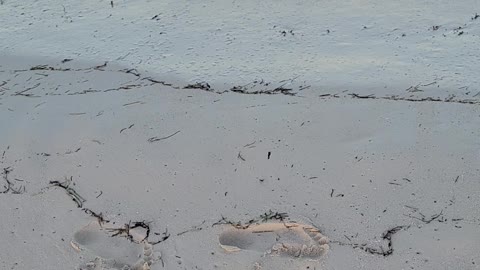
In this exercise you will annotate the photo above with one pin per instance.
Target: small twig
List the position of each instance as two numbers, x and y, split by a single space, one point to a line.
155 139
129 127
131 103
250 144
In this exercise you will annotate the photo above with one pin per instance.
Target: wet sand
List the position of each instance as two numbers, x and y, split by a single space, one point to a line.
388 174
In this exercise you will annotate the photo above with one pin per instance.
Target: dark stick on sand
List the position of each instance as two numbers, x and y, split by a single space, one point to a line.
156 139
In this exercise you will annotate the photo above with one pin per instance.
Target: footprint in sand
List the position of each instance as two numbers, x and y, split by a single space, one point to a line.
281 239
114 253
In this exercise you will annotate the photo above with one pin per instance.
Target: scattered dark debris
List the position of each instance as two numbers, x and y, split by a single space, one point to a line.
129 127
250 145
79 200
239 156
354 95
4 152
154 81
413 89
71 152
124 87
122 231
284 32
303 87
476 16
448 99
329 95
9 186
461 101
164 236
84 92
40 104
101 220
47 67
406 179
131 71
461 33
435 27
270 215
132 103
425 219
193 229
125 230
101 67
199 85
387 236
22 93
411 207
155 139
43 154
278 90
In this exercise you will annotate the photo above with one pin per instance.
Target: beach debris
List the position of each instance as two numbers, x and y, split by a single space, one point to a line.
79 200
382 251
156 139
9 185
132 103
267 216
193 229
129 127
199 85
426 220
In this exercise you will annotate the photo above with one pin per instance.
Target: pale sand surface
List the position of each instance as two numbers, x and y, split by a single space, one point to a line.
355 168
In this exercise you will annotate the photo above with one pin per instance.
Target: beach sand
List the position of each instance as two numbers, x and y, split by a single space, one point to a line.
380 156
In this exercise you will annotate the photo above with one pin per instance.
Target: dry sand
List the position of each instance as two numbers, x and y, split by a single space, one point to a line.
374 140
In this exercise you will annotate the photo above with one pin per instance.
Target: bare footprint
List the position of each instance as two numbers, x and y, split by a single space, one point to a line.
285 239
116 253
